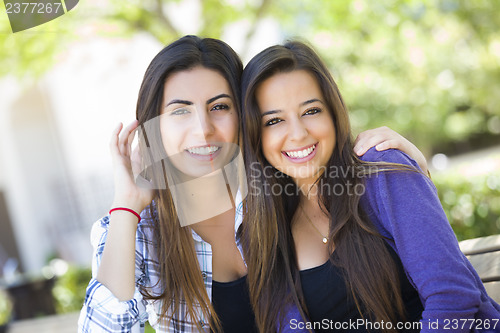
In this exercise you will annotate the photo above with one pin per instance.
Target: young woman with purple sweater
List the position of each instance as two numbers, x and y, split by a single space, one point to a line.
356 245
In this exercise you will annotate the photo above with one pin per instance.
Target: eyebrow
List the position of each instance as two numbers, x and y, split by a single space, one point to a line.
309 101
217 97
179 101
270 112
185 102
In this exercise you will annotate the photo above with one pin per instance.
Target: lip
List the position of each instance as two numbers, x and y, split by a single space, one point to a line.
301 159
199 157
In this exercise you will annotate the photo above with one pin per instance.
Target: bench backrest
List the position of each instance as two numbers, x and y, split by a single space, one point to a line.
484 255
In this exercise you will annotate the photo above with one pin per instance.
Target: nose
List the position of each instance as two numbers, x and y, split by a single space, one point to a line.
297 130
203 124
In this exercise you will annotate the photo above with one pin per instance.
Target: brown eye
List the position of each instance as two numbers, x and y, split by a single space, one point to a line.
312 111
219 107
273 121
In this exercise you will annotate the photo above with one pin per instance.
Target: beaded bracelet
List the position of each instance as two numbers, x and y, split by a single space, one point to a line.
128 210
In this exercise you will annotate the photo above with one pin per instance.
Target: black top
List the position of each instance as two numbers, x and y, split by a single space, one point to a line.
231 302
330 304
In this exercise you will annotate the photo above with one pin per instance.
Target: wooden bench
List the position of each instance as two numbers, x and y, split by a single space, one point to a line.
484 255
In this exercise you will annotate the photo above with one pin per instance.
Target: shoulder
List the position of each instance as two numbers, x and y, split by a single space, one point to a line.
388 156
393 184
408 175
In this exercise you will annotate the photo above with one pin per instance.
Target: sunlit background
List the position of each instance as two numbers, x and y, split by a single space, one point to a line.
429 69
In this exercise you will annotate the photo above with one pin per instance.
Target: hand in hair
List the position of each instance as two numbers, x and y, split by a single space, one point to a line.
117 267
384 138
129 192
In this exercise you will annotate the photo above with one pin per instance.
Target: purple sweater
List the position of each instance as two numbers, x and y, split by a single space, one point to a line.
405 208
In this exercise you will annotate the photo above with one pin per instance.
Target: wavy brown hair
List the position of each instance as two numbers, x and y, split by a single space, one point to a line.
180 276
369 271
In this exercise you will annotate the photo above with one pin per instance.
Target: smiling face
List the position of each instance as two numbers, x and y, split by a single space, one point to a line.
199 121
298 134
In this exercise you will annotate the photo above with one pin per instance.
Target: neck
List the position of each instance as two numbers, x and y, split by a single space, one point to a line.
310 198
217 230
309 190
202 198
309 186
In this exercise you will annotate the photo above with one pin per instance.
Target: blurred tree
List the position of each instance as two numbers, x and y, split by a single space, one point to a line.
31 52
429 69
471 203
69 290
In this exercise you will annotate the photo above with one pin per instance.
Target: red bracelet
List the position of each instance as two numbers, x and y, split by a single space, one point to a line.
128 210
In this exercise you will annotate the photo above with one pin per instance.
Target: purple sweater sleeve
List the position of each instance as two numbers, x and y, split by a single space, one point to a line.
405 208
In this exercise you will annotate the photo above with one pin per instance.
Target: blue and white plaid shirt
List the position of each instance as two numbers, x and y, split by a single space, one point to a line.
103 312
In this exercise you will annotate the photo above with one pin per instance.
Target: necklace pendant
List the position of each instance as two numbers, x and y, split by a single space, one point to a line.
325 240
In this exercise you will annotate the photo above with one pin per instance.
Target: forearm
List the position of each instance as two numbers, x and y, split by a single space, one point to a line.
117 268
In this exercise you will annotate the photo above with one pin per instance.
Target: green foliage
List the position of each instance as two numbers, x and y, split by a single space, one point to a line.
148 328
5 308
34 51
69 290
472 203
428 69
217 17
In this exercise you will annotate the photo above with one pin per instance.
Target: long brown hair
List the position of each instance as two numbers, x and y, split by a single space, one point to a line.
180 276
369 271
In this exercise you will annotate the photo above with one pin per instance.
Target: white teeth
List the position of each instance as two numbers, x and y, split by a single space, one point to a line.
302 153
203 150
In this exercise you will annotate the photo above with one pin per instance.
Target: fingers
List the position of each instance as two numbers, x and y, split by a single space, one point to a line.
370 141
360 144
130 139
382 137
113 143
388 144
126 138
